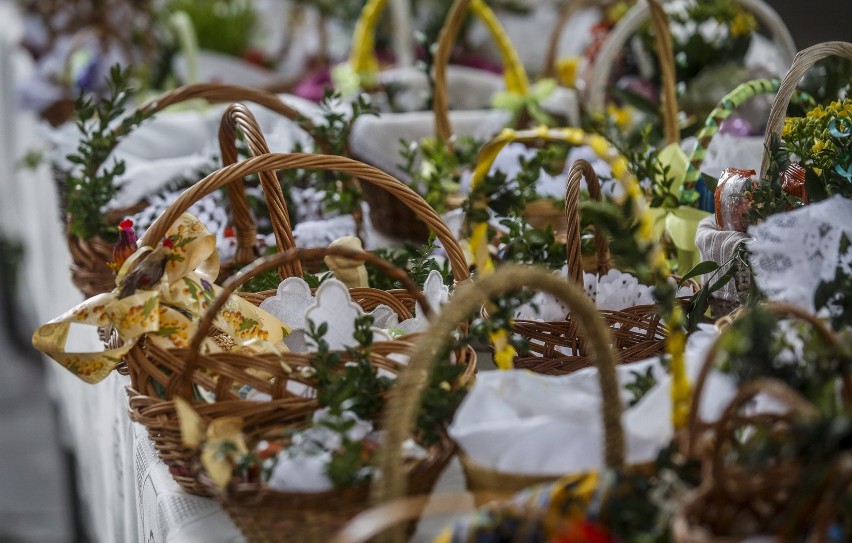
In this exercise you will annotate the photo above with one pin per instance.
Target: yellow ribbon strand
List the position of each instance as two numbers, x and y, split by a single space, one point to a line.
159 313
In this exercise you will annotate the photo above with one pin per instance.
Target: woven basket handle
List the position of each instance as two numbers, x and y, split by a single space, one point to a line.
802 63
182 381
727 105
277 161
238 116
726 425
404 401
779 310
634 19
513 69
571 136
568 10
579 170
613 46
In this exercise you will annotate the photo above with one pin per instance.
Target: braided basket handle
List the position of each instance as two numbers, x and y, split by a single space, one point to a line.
404 401
182 381
779 310
579 170
348 166
727 105
726 425
801 64
237 116
514 73
571 136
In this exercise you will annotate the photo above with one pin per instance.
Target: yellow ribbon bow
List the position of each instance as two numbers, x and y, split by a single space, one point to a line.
186 288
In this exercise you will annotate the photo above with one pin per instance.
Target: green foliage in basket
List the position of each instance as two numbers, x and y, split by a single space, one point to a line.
700 301
695 49
767 197
341 193
526 244
90 184
434 167
758 346
418 261
225 26
822 140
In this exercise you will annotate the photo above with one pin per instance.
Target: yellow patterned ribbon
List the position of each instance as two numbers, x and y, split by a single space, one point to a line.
168 314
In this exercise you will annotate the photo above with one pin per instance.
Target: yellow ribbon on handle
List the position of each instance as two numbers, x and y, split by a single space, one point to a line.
504 353
572 136
363 65
185 289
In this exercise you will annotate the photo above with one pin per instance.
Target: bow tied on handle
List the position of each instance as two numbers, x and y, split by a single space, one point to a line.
164 307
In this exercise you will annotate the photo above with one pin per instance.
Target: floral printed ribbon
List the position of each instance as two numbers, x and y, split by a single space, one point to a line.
168 314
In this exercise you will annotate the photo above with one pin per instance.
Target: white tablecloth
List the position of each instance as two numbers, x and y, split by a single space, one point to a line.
126 492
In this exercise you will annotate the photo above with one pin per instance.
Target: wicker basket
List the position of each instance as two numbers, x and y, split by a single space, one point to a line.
616 41
734 500
89 270
386 214
696 442
152 368
265 515
487 483
719 245
637 332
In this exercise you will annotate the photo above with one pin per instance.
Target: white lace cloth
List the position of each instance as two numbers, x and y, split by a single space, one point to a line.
792 253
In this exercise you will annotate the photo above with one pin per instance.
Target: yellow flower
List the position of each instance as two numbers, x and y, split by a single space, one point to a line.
742 24
818 146
816 113
621 115
566 70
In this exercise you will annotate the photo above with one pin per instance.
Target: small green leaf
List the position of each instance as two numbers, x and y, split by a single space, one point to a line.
702 268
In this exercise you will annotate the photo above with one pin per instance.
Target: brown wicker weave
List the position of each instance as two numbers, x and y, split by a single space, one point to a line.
89 270
696 441
405 398
733 500
637 332
265 515
152 368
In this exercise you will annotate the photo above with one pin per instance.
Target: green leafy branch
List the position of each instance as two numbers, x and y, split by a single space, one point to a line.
90 185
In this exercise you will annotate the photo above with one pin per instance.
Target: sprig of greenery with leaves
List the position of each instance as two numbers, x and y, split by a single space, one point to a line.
341 193
90 185
700 301
767 197
756 345
418 261
435 168
352 383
